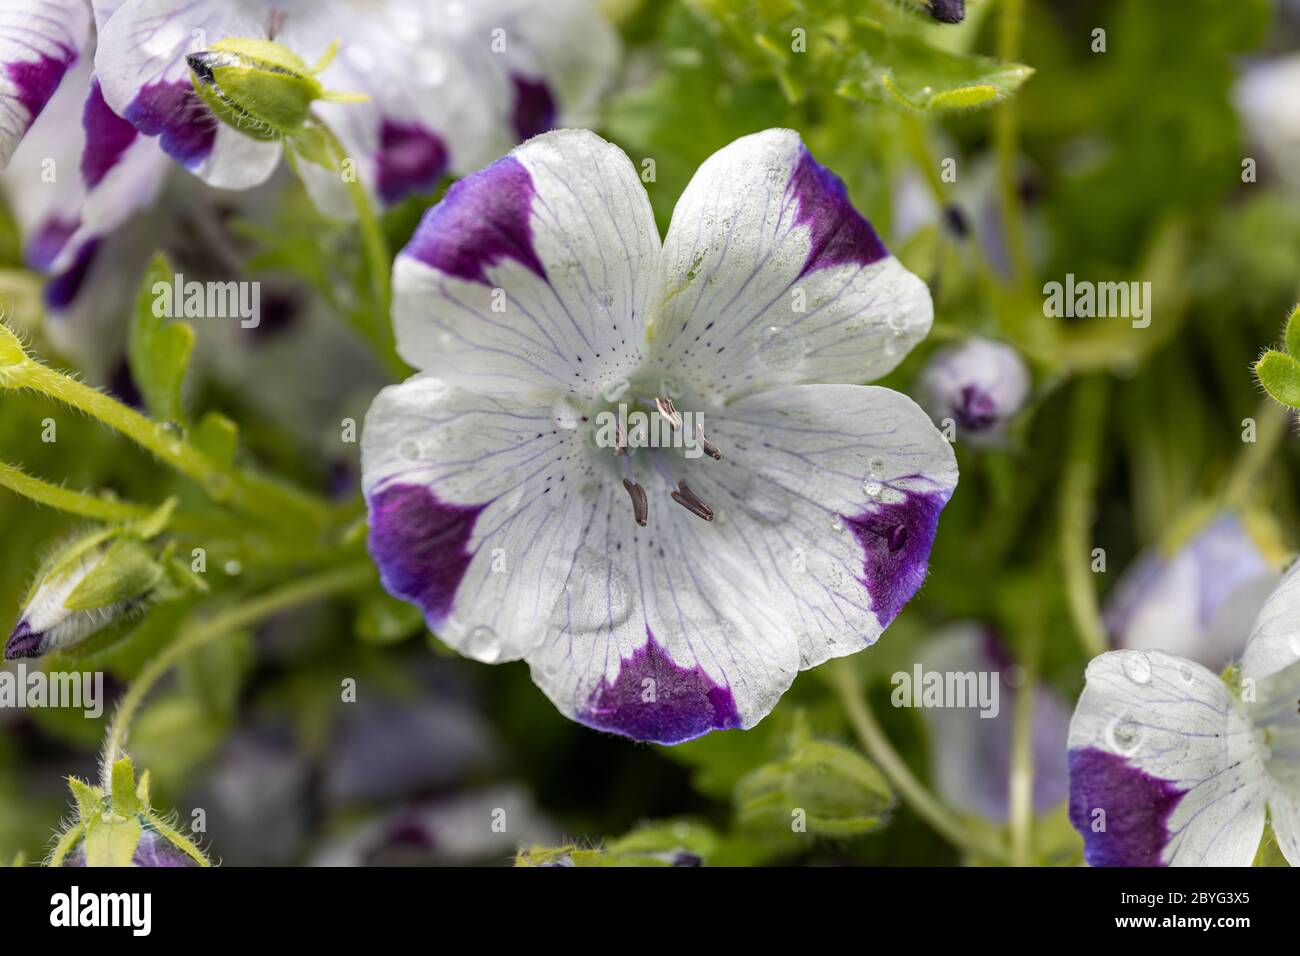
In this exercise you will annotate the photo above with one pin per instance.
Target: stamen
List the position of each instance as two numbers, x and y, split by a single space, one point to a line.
691 502
668 411
620 441
640 506
710 449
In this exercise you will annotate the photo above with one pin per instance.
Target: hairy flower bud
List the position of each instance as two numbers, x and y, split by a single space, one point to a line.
91 583
260 87
978 384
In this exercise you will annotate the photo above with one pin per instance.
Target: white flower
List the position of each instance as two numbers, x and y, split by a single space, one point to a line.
40 40
1265 97
452 83
1170 765
654 593
978 385
1198 602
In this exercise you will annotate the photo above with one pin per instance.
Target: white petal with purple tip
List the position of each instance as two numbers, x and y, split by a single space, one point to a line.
1165 767
1275 637
39 41
532 276
770 277
140 61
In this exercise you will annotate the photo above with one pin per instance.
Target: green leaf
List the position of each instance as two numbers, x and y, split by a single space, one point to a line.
214 674
218 438
1280 376
906 69
1293 333
382 619
830 789
112 842
126 801
127 570
158 350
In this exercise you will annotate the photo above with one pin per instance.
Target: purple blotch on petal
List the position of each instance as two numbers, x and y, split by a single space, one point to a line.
411 159
154 850
838 233
47 241
175 112
421 546
896 537
483 219
534 107
62 290
1137 807
107 137
686 702
36 80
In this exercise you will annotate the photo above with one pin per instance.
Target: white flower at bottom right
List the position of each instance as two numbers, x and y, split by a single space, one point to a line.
1171 765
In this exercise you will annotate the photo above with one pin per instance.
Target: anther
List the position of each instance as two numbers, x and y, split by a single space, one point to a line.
691 502
710 449
640 506
668 411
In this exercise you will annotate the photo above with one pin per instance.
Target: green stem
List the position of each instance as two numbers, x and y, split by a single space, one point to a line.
72 502
844 678
1005 135
242 490
1078 487
335 581
1271 423
379 263
1021 783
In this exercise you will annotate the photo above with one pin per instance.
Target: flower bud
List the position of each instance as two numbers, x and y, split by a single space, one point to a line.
978 384
260 87
91 583
1200 600
117 827
947 11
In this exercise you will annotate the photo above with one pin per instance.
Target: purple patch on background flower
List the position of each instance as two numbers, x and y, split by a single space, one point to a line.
62 289
421 546
534 107
483 219
37 79
686 704
107 137
47 241
1137 807
22 643
896 538
411 159
975 409
176 113
838 233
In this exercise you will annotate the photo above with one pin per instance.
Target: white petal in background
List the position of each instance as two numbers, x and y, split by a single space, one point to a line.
39 42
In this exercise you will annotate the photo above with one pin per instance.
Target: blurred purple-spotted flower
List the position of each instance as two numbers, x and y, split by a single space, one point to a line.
970 748
978 385
1199 601
654 593
1170 765
451 83
40 40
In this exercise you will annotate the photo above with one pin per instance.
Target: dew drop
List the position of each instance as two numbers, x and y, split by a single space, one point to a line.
872 487
566 412
1124 735
483 644
782 349
1137 667
409 450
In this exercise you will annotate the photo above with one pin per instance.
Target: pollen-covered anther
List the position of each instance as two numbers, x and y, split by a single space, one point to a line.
640 506
691 502
709 448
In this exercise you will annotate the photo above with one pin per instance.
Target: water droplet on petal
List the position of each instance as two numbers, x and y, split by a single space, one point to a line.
1137 667
409 449
872 488
483 644
1124 735
782 349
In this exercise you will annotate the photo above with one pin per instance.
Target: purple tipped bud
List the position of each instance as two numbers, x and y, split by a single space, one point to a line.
153 850
948 11
977 385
